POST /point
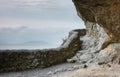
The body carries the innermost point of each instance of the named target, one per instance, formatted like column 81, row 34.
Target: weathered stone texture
column 101, row 42
column 106, row 13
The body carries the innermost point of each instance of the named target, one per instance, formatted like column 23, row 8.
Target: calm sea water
column 25, row 47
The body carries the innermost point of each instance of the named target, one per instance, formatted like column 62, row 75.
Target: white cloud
column 31, row 3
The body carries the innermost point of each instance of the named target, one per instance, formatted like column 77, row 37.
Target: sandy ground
column 69, row 70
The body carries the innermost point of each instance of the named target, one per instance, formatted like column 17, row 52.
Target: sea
column 18, row 47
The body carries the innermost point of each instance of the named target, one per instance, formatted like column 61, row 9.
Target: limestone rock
column 102, row 21
column 105, row 13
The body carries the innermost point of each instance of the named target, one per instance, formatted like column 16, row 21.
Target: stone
column 102, row 21
column 105, row 13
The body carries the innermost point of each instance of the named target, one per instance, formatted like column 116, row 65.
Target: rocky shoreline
column 19, row 60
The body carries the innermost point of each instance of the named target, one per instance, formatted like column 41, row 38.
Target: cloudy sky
column 36, row 23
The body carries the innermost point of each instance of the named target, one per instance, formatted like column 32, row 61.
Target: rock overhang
column 101, row 42
column 106, row 13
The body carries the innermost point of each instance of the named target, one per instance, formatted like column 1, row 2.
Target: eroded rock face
column 102, row 21
column 92, row 44
column 106, row 13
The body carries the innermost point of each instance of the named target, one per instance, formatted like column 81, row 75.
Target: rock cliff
column 102, row 20
column 106, row 13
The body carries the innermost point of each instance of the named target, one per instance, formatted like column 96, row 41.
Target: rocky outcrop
column 18, row 60
column 106, row 13
column 101, row 42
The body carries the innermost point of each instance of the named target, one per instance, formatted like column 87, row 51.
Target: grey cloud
column 28, row 3
column 13, row 30
column 39, row 9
